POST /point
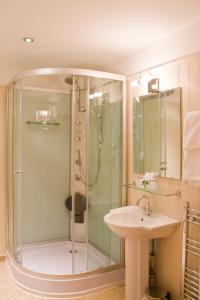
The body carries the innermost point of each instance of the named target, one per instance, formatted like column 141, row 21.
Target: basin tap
column 146, row 208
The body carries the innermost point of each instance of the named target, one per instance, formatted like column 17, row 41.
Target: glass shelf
column 161, row 189
column 44, row 124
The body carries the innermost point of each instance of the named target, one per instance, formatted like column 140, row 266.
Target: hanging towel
column 191, row 147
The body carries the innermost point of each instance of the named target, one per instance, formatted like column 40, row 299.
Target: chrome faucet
column 146, row 208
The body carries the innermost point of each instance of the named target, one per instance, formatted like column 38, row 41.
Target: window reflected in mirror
column 157, row 133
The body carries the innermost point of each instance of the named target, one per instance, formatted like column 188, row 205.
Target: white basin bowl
column 129, row 222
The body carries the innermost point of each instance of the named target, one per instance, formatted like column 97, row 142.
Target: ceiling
column 84, row 33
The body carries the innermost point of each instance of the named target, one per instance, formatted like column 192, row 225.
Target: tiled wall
column 184, row 73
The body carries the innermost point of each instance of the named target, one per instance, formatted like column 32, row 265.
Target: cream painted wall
column 184, row 73
column 165, row 50
column 2, row 171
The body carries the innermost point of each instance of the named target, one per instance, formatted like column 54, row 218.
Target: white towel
column 191, row 147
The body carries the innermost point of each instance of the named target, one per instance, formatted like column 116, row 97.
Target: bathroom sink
column 129, row 222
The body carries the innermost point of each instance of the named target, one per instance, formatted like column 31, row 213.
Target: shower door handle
column 18, row 171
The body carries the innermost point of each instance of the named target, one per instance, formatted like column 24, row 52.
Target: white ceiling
column 84, row 33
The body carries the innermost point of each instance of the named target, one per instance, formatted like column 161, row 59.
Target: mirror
column 157, row 133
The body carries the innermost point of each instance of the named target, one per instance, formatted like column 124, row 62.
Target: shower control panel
column 78, row 130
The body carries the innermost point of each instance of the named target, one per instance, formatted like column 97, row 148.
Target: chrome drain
column 73, row 251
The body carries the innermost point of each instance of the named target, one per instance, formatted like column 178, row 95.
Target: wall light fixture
column 153, row 85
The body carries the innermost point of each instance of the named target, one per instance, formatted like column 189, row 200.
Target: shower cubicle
column 65, row 167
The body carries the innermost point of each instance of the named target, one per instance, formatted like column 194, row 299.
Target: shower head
column 68, row 80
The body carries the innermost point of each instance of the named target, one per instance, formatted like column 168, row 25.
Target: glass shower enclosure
column 65, row 169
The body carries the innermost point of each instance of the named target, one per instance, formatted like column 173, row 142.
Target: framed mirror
column 157, row 133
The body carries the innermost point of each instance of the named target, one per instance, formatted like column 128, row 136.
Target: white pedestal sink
column 130, row 223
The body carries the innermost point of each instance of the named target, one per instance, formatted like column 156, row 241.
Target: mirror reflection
column 157, row 133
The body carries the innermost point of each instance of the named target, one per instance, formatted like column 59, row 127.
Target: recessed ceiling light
column 28, row 40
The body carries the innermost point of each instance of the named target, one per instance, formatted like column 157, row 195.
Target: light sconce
column 153, row 85
column 136, row 82
column 142, row 79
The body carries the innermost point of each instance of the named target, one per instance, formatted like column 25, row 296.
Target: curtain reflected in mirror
column 157, row 133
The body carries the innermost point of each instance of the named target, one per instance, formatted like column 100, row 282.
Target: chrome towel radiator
column 191, row 255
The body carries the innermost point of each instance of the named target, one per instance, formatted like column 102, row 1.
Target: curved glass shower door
column 104, row 165
column 41, row 141
column 67, row 172
column 97, row 163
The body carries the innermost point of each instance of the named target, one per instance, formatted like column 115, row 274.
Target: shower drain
column 73, row 251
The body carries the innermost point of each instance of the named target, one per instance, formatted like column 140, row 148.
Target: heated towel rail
column 191, row 255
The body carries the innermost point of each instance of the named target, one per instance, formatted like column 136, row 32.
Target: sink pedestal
column 136, row 268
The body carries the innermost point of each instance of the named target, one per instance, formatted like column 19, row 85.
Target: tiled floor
column 9, row 291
